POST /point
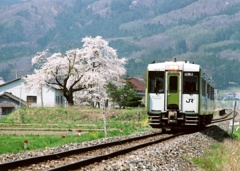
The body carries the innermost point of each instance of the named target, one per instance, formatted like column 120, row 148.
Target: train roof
column 182, row 65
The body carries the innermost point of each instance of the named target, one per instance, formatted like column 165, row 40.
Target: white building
column 50, row 96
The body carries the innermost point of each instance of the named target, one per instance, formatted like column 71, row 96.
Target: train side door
column 173, row 90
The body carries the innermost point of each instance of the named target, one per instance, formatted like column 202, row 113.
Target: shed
column 9, row 102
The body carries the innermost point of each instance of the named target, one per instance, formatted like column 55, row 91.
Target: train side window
column 212, row 93
column 203, row 87
column 208, row 91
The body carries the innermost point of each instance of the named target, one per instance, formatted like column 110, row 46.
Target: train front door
column 173, row 89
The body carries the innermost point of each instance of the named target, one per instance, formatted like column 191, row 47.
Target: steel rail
column 39, row 159
column 224, row 118
column 92, row 160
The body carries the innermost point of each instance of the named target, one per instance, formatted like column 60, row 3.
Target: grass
column 15, row 143
column 222, row 156
column 69, row 120
column 52, row 115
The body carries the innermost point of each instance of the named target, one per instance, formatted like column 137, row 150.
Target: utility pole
column 234, row 111
column 104, row 117
column 139, row 117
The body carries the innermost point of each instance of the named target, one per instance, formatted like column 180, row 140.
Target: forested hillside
column 201, row 31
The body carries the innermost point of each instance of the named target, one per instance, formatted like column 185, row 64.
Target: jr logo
column 189, row 101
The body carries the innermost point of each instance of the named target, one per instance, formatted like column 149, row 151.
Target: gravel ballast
column 174, row 154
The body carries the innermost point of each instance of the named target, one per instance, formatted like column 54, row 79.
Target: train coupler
column 172, row 116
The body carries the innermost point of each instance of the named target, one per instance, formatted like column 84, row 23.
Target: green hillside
column 204, row 32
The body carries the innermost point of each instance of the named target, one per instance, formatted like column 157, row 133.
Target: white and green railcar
column 179, row 95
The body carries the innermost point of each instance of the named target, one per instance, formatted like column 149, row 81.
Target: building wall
column 13, row 87
column 44, row 99
column 48, row 95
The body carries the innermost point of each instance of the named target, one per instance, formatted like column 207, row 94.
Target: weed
column 222, row 156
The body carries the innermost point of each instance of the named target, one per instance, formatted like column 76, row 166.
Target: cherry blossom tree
column 87, row 69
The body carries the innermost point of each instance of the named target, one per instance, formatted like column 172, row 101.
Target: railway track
column 227, row 116
column 74, row 159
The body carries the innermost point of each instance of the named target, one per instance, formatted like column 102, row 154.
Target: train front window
column 190, row 83
column 156, row 82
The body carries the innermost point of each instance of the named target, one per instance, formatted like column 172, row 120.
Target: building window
column 59, row 99
column 31, row 99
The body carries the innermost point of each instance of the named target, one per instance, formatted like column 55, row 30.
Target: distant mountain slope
column 204, row 31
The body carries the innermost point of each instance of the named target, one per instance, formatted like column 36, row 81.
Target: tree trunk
column 42, row 96
column 104, row 119
column 70, row 102
column 69, row 98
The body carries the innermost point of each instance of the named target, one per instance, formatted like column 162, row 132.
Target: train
column 179, row 95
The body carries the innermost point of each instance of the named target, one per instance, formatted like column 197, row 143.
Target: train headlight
column 174, row 67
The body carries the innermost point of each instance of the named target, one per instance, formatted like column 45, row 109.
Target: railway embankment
column 176, row 154
column 180, row 153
